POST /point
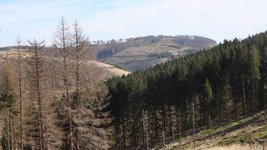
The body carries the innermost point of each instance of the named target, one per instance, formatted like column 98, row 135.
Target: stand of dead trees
column 49, row 91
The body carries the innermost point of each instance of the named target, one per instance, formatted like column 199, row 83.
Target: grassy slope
column 138, row 58
column 135, row 54
column 239, row 134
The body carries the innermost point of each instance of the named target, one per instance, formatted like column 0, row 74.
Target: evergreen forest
column 191, row 93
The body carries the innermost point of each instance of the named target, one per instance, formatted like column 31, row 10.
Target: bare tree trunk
column 146, row 128
column 156, row 124
column 253, row 96
column 180, row 124
column 164, row 117
column 187, row 114
column 8, row 130
column 193, row 121
column 264, row 96
column 37, row 64
column 78, row 47
column 219, row 106
column 210, row 120
column 13, row 134
column 236, row 107
column 123, row 134
column 10, row 133
column 263, row 89
column 20, row 96
column 40, row 116
column 62, row 44
column 163, row 138
column 226, row 104
column 70, row 131
column 244, row 97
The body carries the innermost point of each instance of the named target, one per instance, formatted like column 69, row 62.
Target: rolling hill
column 101, row 71
column 144, row 52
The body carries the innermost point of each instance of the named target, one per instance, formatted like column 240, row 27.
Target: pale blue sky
column 115, row 19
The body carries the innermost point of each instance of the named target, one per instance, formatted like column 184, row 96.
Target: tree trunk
column 123, row 134
column 20, row 96
column 180, row 124
column 262, row 93
column 164, row 117
column 187, row 114
column 8, row 130
column 13, row 134
column 244, row 97
column 236, row 107
column 193, row 121
column 264, row 96
column 155, row 124
column 253, row 97
column 78, row 46
column 40, row 116
column 218, row 107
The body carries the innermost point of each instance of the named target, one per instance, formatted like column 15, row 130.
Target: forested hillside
column 144, row 52
column 191, row 93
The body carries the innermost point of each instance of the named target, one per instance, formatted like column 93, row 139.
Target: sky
column 120, row 19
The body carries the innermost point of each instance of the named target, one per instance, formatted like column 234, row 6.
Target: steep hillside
column 246, row 133
column 144, row 52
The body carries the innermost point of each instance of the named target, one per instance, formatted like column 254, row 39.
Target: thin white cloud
column 204, row 17
column 105, row 19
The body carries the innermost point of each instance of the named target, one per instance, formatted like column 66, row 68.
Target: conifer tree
column 62, row 44
column 208, row 97
column 253, row 69
column 83, row 54
column 37, row 77
column 20, row 92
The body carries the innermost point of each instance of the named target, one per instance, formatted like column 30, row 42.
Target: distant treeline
column 12, row 47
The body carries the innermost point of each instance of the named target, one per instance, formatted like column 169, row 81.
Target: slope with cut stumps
column 246, row 133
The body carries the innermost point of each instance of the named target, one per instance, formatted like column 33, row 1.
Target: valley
column 133, row 75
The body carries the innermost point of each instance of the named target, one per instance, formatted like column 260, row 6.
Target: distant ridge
column 144, row 52
column 141, row 53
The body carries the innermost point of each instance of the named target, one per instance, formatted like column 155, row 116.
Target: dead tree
column 36, row 64
column 7, row 99
column 83, row 53
column 20, row 93
column 62, row 45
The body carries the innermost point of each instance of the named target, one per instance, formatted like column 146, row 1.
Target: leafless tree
column 37, row 77
column 20, row 92
column 83, row 53
column 62, row 44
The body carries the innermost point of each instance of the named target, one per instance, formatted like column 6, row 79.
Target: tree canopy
column 221, row 82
